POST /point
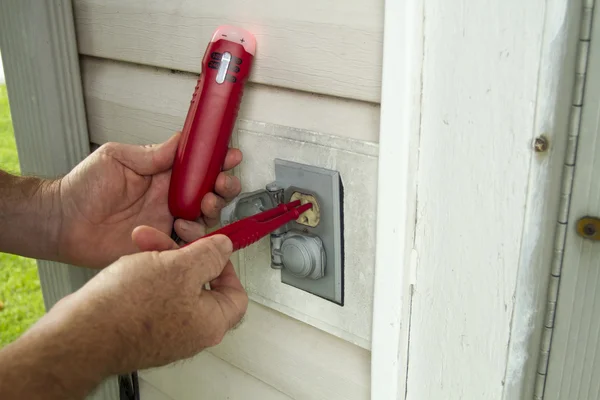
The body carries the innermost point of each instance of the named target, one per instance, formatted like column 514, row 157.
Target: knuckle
column 109, row 148
column 211, row 222
column 214, row 257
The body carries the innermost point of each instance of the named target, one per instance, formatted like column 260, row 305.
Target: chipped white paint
column 490, row 74
column 317, row 46
column 553, row 100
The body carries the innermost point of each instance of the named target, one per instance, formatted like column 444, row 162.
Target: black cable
column 129, row 387
column 136, row 386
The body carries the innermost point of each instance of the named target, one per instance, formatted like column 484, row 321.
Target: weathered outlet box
column 326, row 186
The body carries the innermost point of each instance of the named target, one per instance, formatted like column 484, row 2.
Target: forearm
column 61, row 357
column 29, row 216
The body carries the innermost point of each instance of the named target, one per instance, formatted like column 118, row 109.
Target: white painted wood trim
column 41, row 64
column 398, row 138
column 475, row 298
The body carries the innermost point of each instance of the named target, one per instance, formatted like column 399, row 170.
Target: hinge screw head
column 589, row 230
column 540, row 144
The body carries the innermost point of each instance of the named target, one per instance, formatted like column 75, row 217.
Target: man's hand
column 145, row 310
column 120, row 187
column 156, row 303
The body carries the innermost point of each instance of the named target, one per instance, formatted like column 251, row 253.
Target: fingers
column 232, row 159
column 227, row 186
column 227, row 279
column 150, row 239
column 228, row 291
column 144, row 160
column 211, row 208
column 188, row 231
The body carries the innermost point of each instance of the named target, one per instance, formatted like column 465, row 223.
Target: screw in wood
column 540, row 144
column 589, row 230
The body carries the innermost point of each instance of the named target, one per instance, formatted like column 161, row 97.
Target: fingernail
column 223, row 243
column 185, row 225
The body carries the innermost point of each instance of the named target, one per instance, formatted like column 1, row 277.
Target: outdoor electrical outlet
column 309, row 251
column 311, row 217
column 309, row 183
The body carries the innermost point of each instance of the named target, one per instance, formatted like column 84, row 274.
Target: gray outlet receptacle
column 326, row 186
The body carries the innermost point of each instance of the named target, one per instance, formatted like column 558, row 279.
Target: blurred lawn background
column 21, row 302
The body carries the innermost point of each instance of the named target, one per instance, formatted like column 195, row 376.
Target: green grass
column 21, row 302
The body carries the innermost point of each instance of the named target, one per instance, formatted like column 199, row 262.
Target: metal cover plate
column 326, row 186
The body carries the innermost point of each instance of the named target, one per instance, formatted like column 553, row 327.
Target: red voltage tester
column 210, row 120
column 206, row 134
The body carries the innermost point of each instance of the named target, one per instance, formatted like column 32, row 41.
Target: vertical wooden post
column 41, row 64
column 396, row 196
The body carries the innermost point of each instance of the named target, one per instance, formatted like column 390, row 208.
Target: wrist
column 54, row 359
column 31, row 206
column 48, row 201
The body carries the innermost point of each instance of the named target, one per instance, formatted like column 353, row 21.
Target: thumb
column 207, row 256
column 145, row 160
column 150, row 239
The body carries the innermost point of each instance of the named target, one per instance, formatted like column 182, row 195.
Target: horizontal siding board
column 269, row 356
column 128, row 100
column 150, row 392
column 329, row 47
column 204, row 377
column 295, row 358
column 125, row 100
